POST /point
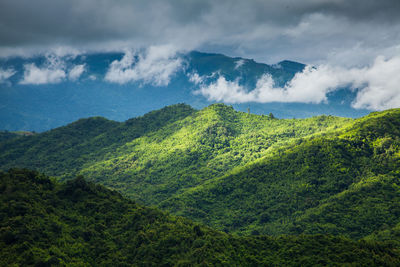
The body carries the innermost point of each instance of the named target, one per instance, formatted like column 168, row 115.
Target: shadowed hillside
column 45, row 223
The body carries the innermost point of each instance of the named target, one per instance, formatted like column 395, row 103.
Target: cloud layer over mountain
column 154, row 65
column 348, row 43
column 346, row 32
column 377, row 85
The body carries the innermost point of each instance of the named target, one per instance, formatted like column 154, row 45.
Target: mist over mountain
column 44, row 92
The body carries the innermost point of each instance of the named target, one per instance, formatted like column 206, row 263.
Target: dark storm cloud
column 310, row 31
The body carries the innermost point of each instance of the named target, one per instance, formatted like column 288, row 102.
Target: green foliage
column 271, row 116
column 6, row 136
column 342, row 183
column 45, row 223
column 63, row 151
column 237, row 172
column 367, row 207
column 163, row 153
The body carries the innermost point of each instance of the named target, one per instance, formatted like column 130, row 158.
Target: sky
column 355, row 41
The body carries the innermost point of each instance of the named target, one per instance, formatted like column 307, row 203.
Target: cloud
column 225, row 91
column 54, row 70
column 195, row 78
column 377, row 86
column 76, row 72
column 310, row 86
column 340, row 37
column 239, row 63
column 155, row 66
column 380, row 85
column 308, row 31
column 35, row 75
column 5, row 74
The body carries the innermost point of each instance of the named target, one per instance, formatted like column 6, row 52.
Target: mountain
column 45, row 223
column 237, row 172
column 60, row 90
column 158, row 155
column 344, row 182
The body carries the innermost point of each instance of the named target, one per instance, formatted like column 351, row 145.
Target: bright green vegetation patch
column 163, row 153
column 45, row 223
column 345, row 183
column 63, row 151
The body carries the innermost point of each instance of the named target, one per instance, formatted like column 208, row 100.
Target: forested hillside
column 237, row 172
column 63, row 151
column 343, row 183
column 158, row 155
column 45, row 223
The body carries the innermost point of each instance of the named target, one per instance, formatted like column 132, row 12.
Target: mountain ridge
column 215, row 165
column 41, row 107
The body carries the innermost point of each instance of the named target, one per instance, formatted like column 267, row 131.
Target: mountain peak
column 291, row 65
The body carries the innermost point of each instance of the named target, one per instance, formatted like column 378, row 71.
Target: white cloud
column 309, row 86
column 35, row 75
column 239, row 63
column 195, row 78
column 154, row 66
column 5, row 74
column 378, row 86
column 226, row 91
column 76, row 72
column 53, row 70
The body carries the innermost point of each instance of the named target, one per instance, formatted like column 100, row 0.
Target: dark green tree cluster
column 6, row 136
column 45, row 223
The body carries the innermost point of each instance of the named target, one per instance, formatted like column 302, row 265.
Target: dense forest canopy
column 249, row 175
column 45, row 223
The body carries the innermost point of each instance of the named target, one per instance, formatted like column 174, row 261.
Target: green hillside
column 163, row 153
column 236, row 172
column 45, row 223
column 63, row 151
column 343, row 183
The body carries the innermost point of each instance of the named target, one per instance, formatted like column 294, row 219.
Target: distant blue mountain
column 45, row 106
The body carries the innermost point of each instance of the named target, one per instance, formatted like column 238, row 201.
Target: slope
column 63, row 151
column 178, row 154
column 44, row 223
column 204, row 145
column 344, row 182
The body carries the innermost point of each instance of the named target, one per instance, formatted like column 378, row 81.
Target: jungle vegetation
column 78, row 223
column 249, row 177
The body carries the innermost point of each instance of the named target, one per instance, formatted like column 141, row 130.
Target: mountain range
column 45, row 92
column 233, row 188
column 236, row 172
